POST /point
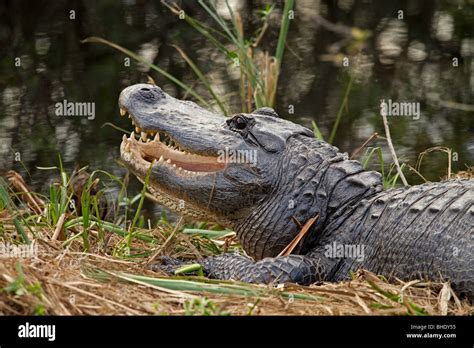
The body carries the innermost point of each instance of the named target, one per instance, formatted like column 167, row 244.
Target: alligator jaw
column 166, row 157
column 163, row 150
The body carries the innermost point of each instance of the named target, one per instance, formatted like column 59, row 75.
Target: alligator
column 265, row 177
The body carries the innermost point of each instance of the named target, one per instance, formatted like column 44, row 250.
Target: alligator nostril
column 150, row 93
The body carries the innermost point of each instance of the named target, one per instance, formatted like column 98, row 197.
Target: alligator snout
column 145, row 93
column 150, row 93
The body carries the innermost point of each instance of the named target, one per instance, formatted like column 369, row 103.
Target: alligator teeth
column 180, row 169
column 127, row 146
column 144, row 136
column 124, row 137
column 137, row 129
column 157, row 136
column 161, row 159
column 168, row 161
column 123, row 112
column 132, row 135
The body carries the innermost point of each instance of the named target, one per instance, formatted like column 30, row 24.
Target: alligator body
column 264, row 177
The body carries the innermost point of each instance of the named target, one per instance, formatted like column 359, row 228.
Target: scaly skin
column 423, row 232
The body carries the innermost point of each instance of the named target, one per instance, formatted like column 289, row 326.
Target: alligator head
column 202, row 164
column 252, row 172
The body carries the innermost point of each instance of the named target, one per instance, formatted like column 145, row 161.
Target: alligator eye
column 240, row 123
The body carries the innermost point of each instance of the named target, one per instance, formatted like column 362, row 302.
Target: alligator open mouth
column 153, row 146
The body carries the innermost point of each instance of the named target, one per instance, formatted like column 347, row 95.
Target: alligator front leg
column 284, row 269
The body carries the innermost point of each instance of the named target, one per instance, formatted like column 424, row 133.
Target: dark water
column 403, row 60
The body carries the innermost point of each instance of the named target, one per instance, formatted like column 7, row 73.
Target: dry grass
column 69, row 282
column 467, row 174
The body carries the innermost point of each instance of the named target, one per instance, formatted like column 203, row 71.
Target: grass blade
column 203, row 79
column 6, row 202
column 341, row 109
column 207, row 233
column 285, row 24
column 140, row 205
column 317, row 132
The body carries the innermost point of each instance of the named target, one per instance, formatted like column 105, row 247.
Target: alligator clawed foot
column 170, row 265
column 166, row 264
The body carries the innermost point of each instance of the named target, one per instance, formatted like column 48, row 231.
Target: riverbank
column 101, row 268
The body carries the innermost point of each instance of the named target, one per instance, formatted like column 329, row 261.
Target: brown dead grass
column 68, row 288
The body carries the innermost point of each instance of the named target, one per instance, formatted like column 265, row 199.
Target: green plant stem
column 140, row 205
column 195, row 267
column 285, row 24
column 203, row 79
column 341, row 109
